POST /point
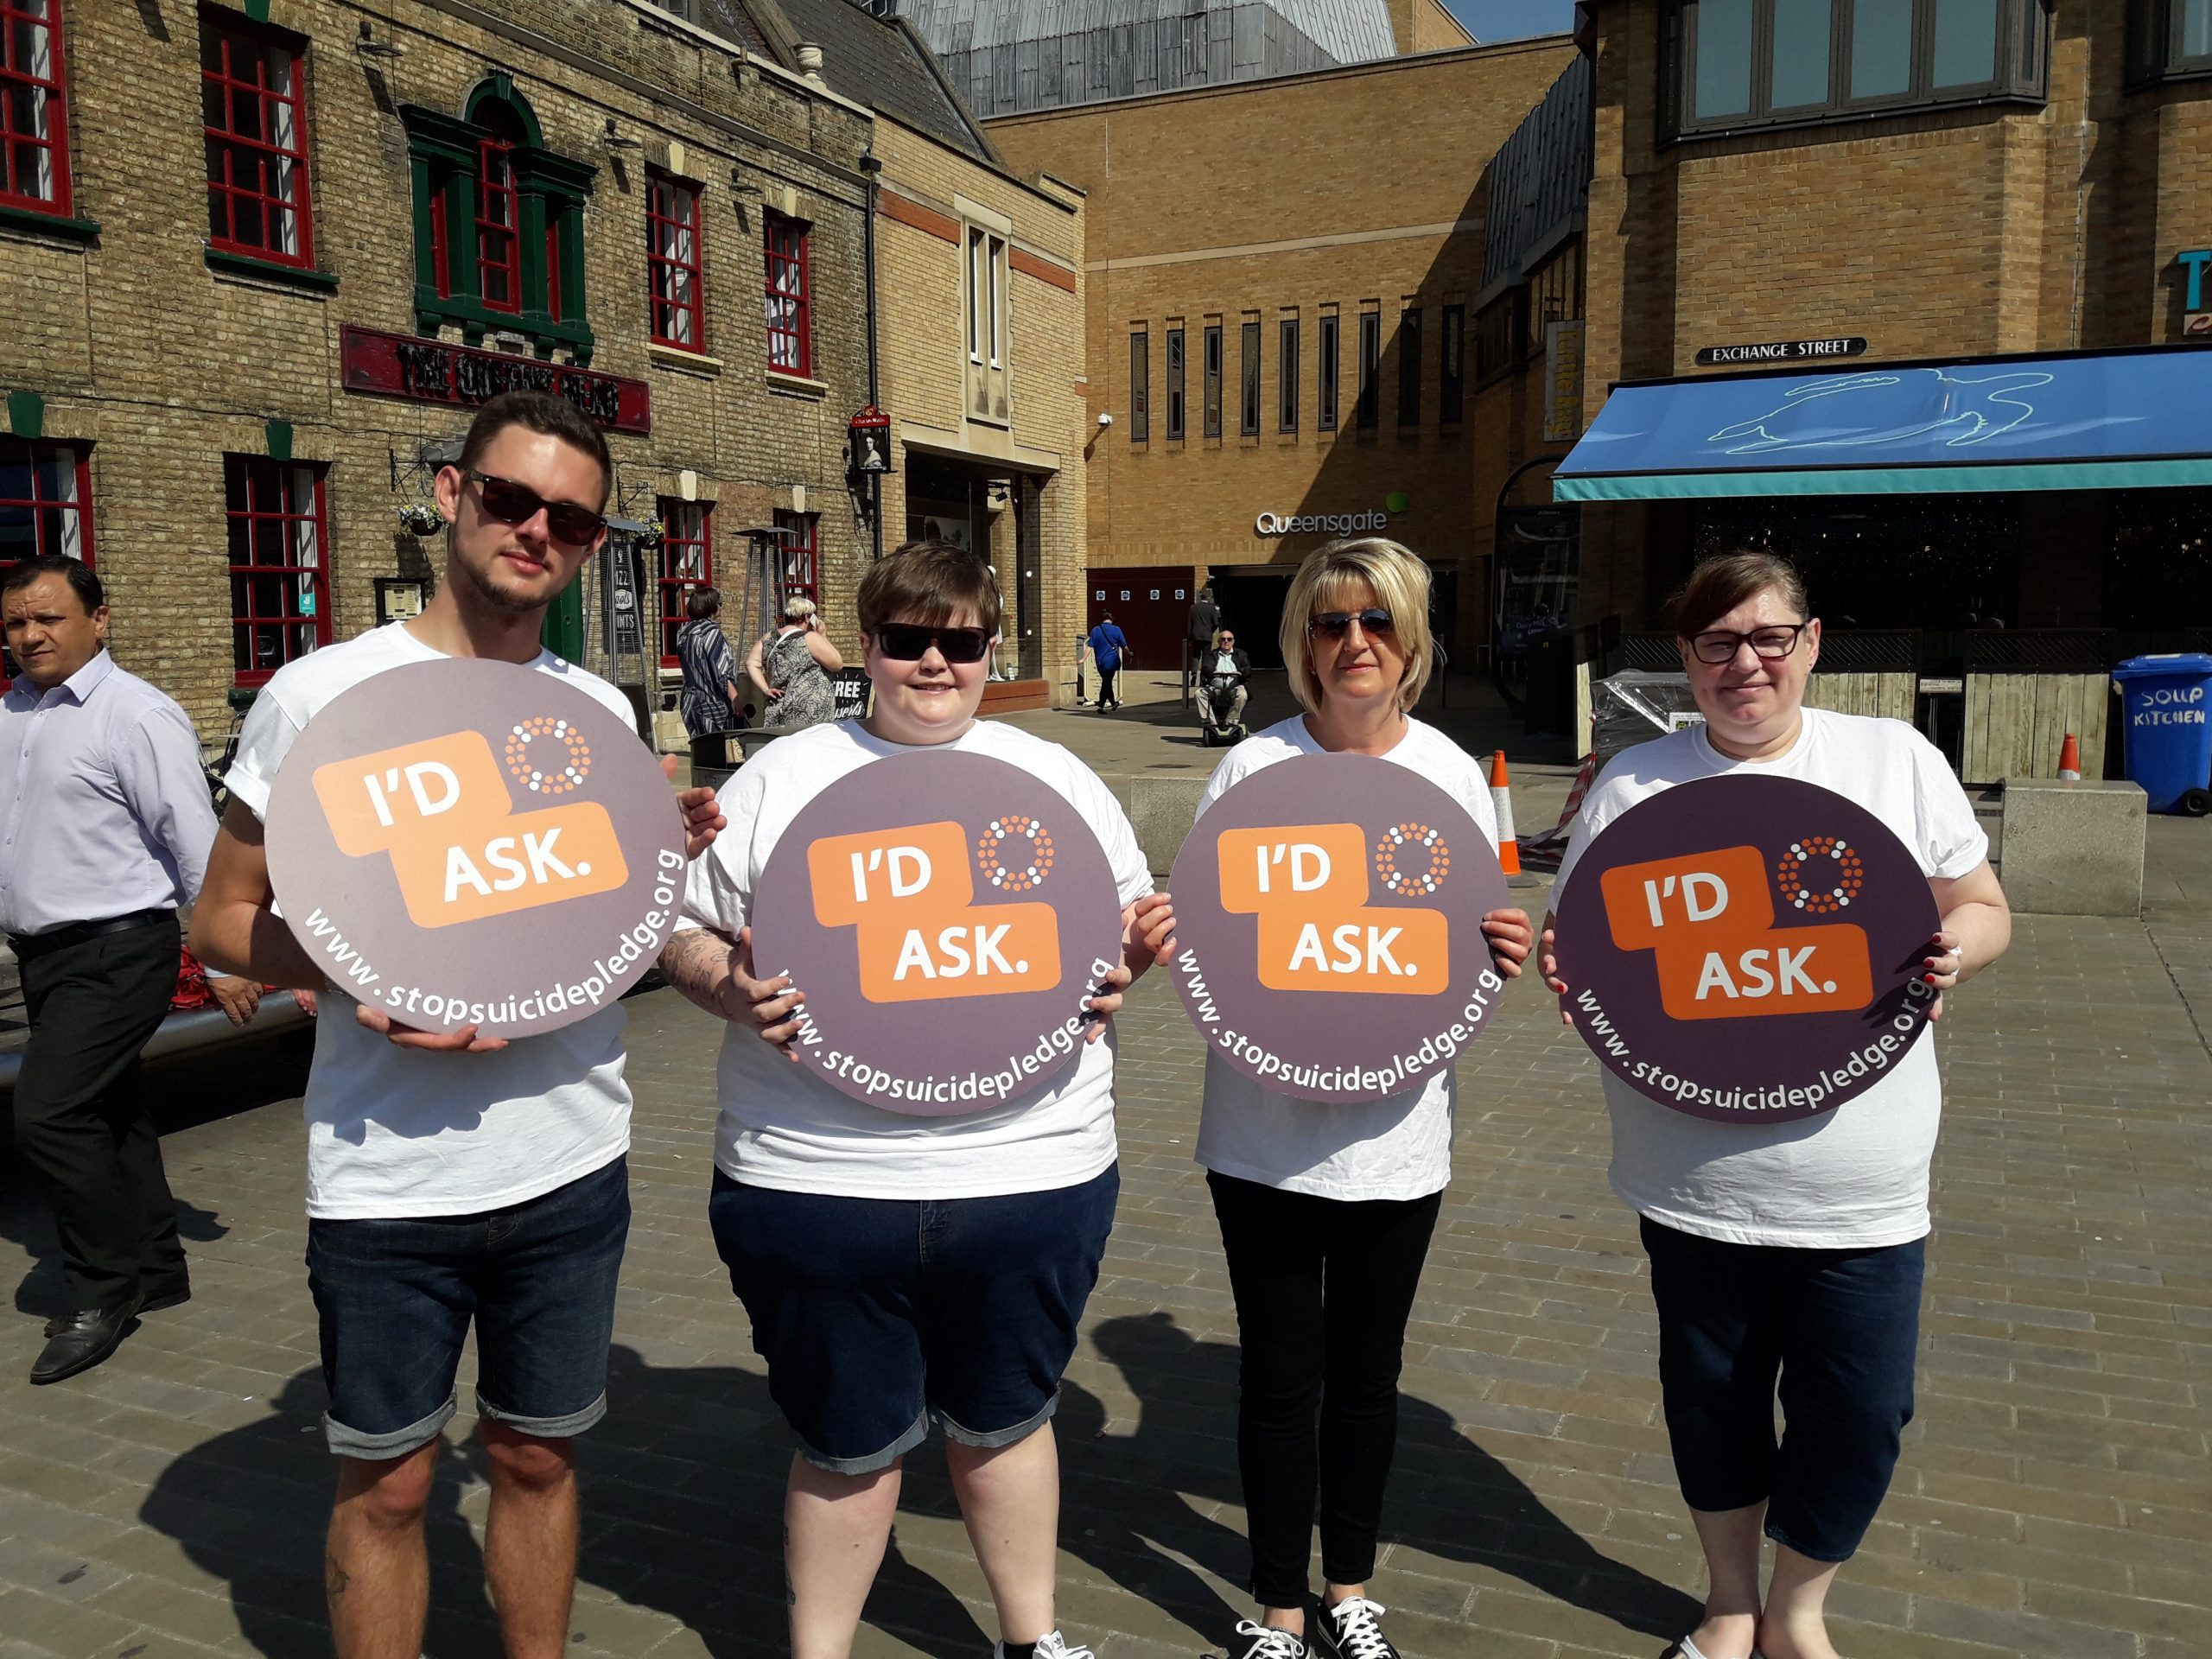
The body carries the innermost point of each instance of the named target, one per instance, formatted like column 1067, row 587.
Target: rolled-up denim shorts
column 396, row 1298
column 878, row 1317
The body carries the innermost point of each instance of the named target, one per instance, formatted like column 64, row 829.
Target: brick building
column 979, row 326
column 262, row 258
column 1279, row 286
column 2003, row 205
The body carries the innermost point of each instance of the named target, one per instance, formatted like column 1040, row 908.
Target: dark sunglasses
column 515, row 503
column 1335, row 625
column 906, row 642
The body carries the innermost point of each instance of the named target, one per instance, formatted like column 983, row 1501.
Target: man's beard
column 480, row 583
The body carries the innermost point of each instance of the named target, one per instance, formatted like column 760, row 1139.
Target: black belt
column 61, row 939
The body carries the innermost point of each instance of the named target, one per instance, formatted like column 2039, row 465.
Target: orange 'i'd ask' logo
column 1309, row 884
column 909, row 896
column 1708, row 920
column 442, row 811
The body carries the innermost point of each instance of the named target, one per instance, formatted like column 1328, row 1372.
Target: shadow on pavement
column 1450, row 1499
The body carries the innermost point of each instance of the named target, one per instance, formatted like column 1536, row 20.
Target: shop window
column 1286, row 374
column 499, row 224
column 1409, row 367
column 1213, row 380
column 1737, row 63
column 1139, row 386
column 280, row 563
column 799, row 553
column 46, row 493
column 2168, row 39
column 788, row 299
column 34, row 109
column 1248, row 374
column 1452, row 366
column 1324, row 403
column 1175, row 384
column 254, row 110
column 1367, row 412
column 674, row 276
column 687, row 560
column 988, row 289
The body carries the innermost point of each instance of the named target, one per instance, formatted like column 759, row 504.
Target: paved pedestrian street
column 2056, row 1496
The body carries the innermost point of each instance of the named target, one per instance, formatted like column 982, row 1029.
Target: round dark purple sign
column 1747, row 949
column 948, row 917
column 1328, row 922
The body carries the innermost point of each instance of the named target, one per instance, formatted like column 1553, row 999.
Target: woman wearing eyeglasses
column 819, row 1202
column 1792, row 1248
column 1326, row 1211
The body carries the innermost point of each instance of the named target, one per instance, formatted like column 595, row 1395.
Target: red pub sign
column 433, row 371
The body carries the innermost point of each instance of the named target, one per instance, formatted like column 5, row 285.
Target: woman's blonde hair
column 1400, row 582
column 797, row 608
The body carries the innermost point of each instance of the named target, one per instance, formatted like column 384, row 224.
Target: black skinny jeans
column 1323, row 1287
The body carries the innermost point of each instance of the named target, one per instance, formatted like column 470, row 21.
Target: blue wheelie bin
column 2167, row 709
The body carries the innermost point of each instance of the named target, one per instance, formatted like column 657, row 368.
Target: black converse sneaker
column 1353, row 1630
column 1266, row 1642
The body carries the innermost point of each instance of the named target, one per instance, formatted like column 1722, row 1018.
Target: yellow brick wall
column 139, row 348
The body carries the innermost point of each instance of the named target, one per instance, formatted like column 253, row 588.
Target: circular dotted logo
column 1820, row 874
column 547, row 756
column 1014, row 854
column 1418, row 844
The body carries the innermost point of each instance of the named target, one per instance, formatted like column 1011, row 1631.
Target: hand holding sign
column 1783, row 910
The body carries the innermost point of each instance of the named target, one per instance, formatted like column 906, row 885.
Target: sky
column 1508, row 20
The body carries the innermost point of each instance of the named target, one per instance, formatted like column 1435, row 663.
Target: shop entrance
column 1150, row 604
column 992, row 511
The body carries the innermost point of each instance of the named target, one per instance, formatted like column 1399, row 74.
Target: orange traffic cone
column 1501, row 797
column 2070, row 761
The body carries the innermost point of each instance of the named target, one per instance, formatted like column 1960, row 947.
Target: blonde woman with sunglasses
column 1326, row 1211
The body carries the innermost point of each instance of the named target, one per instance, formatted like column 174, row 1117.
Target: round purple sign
column 949, row 916
column 1747, row 949
column 1328, row 921
column 475, row 844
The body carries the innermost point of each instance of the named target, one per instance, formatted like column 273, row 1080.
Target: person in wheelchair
column 1223, row 671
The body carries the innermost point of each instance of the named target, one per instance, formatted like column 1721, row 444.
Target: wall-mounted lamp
column 615, row 138
column 369, row 46
column 741, row 186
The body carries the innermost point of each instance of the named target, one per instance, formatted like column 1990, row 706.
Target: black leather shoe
column 83, row 1340
column 170, row 1290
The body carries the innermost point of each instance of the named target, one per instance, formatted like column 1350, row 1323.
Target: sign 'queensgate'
column 1324, row 523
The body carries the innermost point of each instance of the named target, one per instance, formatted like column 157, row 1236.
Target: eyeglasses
column 515, row 504
column 1771, row 643
column 1335, row 625
column 906, row 642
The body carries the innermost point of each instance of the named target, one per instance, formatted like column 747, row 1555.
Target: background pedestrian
column 711, row 702
column 791, row 665
column 1110, row 648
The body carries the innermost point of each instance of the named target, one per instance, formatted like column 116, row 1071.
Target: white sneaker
column 1267, row 1643
column 1050, row 1645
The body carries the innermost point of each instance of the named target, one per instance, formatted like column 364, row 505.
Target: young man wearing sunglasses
column 416, row 1142
column 871, row 1343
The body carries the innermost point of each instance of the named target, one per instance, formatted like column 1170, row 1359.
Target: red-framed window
column 799, row 553
column 254, row 108
column 498, row 220
column 280, row 563
column 34, row 108
column 791, row 340
column 46, row 507
column 672, row 262
column 687, row 560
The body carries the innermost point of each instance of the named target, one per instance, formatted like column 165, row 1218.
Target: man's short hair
column 703, row 601
column 928, row 581
column 82, row 581
column 542, row 412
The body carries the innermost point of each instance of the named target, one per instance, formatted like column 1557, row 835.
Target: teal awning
column 2112, row 420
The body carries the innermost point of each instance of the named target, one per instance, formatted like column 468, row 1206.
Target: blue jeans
column 881, row 1316
column 396, row 1298
column 1840, row 1327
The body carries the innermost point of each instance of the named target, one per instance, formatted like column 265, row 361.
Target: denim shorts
column 1832, row 1333
column 881, row 1316
column 395, row 1298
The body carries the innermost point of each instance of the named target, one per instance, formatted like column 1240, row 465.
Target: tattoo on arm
column 334, row 1577
column 697, row 965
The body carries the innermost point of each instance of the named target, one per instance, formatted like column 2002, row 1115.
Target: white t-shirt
column 782, row 1126
column 396, row 1132
column 1399, row 1147
column 1850, row 1179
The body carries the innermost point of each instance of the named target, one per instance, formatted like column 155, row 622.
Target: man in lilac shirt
column 105, row 829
